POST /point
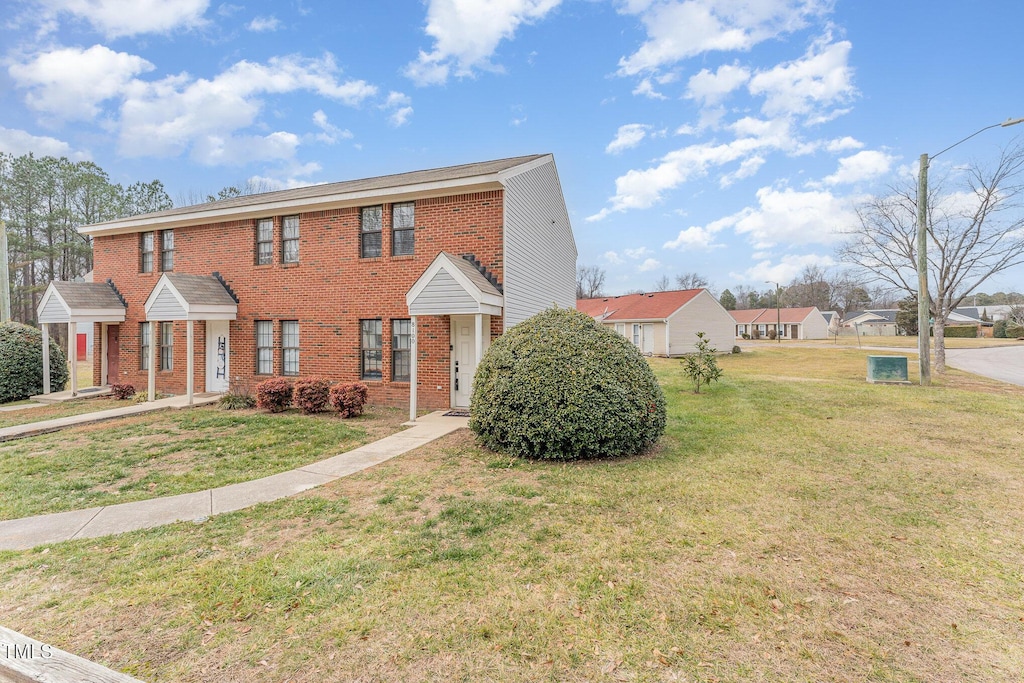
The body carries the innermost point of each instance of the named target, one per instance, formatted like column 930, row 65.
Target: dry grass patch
column 787, row 530
column 58, row 410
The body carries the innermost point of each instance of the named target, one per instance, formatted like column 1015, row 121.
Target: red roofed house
column 397, row 281
column 664, row 323
column 794, row 323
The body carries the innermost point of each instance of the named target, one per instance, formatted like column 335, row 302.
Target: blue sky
column 732, row 138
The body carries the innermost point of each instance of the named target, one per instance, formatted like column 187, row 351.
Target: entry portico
column 454, row 286
column 178, row 296
column 72, row 303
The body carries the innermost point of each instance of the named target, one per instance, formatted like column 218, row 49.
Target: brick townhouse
column 397, row 281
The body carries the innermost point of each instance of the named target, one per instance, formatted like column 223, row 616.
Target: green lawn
column 52, row 411
column 168, row 452
column 795, row 524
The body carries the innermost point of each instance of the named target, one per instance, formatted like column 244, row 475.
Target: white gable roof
column 451, row 285
column 78, row 302
column 177, row 296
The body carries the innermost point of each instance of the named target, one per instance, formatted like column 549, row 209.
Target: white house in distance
column 790, row 323
column 664, row 323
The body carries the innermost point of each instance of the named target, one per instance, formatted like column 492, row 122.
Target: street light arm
column 1005, row 124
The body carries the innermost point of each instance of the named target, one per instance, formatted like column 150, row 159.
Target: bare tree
column 589, row 282
column 662, row 284
column 972, row 235
column 691, row 281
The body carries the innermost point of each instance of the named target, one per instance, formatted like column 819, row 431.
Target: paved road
column 1005, row 363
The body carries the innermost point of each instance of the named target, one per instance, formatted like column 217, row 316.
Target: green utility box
column 888, row 369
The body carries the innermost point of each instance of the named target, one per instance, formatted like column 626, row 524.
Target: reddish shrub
column 274, row 394
column 312, row 394
column 348, row 398
column 122, row 392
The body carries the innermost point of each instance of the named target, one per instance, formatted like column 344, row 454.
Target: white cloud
column 20, row 142
column 861, row 166
column 785, row 271
column 808, row 86
column 329, row 133
column 117, row 18
column 178, row 113
column 466, row 34
column 748, row 167
column 649, row 265
column 843, row 144
column 711, row 88
column 264, row 24
column 679, row 29
column 612, row 257
column 71, row 83
column 646, row 88
column 238, row 150
column 400, row 105
column 788, row 216
column 698, row 237
column 637, row 253
column 629, row 135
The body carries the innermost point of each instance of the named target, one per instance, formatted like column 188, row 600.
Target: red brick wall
column 328, row 291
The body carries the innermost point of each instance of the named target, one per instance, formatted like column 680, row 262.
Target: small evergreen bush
column 312, row 394
column 999, row 329
column 274, row 394
column 21, row 363
column 737, row 349
column 559, row 386
column 349, row 398
column 702, row 367
column 122, row 392
column 961, row 331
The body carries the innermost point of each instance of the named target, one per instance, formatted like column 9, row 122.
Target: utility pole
column 5, row 277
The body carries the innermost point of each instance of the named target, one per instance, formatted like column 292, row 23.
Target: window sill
column 403, row 257
column 290, row 264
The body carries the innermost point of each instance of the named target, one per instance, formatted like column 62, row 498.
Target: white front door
column 648, row 339
column 218, row 351
column 463, row 359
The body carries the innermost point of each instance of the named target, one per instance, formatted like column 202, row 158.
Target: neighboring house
column 664, row 323
column 872, row 323
column 398, row 281
column 789, row 323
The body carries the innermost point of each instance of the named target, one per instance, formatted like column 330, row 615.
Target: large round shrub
column 559, row 386
column 21, row 363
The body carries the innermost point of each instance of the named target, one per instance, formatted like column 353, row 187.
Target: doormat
column 457, row 413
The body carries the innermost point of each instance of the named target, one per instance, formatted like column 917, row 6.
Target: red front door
column 113, row 353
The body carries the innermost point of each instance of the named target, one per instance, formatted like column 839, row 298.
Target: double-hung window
column 264, row 241
column 401, row 350
column 372, row 347
column 167, row 250
column 144, row 343
column 290, row 239
column 264, row 347
column 290, row 347
column 166, row 346
column 146, row 253
column 403, row 229
column 370, row 224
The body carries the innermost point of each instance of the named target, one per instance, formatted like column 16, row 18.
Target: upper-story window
column 370, row 224
column 290, row 239
column 146, row 253
column 403, row 228
column 167, row 250
column 264, row 241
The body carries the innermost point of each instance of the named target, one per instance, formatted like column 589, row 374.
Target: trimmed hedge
column 311, row 394
column 561, row 387
column 961, row 332
column 349, row 398
column 21, row 363
column 274, row 394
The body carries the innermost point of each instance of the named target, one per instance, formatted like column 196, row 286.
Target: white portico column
column 479, row 319
column 73, row 355
column 191, row 381
column 46, row 357
column 414, row 351
column 154, row 330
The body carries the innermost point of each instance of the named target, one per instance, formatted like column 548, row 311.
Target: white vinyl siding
column 540, row 252
column 166, row 307
column 704, row 314
column 443, row 295
column 54, row 312
column 814, row 326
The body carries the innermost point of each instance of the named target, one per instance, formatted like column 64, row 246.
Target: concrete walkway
column 45, row 426
column 21, row 534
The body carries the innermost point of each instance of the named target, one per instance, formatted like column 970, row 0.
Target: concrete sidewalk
column 20, row 534
column 45, row 426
